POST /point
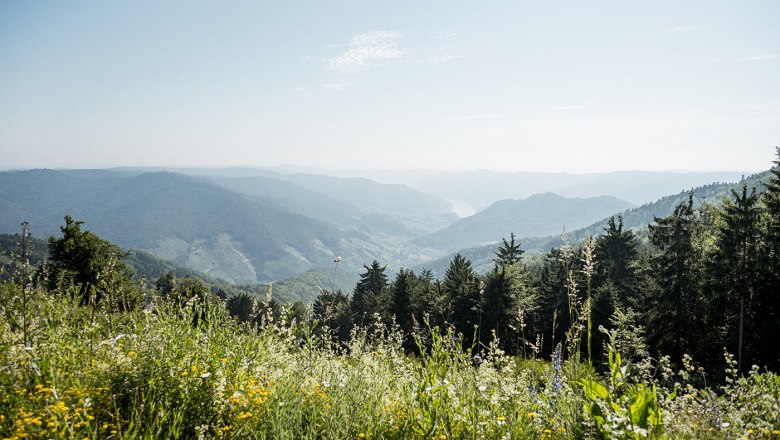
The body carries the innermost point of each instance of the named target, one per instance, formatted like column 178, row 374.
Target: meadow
column 163, row 370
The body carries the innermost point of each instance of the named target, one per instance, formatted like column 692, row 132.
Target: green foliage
column 509, row 252
column 86, row 260
column 464, row 293
column 678, row 272
column 366, row 299
column 152, row 374
column 625, row 410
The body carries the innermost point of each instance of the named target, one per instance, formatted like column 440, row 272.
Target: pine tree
column 677, row 267
column 368, row 291
column 551, row 318
column 240, row 306
column 616, row 254
column 462, row 290
column 737, row 255
column 768, row 295
column 332, row 312
column 82, row 258
column 403, row 289
column 614, row 281
column 510, row 252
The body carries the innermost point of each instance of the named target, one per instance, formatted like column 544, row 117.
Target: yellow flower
column 244, row 415
column 532, row 415
column 362, row 435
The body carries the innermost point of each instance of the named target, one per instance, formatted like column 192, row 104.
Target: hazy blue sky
column 514, row 85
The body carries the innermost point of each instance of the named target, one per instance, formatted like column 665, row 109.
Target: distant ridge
column 636, row 218
column 537, row 216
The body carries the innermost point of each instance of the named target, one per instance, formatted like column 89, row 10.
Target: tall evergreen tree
column 426, row 301
column 737, row 256
column 614, row 283
column 402, row 290
column 551, row 319
column 509, row 252
column 677, row 328
column 768, row 295
column 461, row 287
column 368, row 291
column 508, row 301
column 616, row 255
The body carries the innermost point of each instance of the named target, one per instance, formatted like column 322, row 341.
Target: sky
column 567, row 86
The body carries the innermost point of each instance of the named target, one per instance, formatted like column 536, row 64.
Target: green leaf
column 594, row 389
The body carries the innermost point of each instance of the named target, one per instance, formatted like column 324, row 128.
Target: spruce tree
column 509, row 252
column 768, row 295
column 461, row 287
column 616, row 255
column 675, row 314
column 368, row 291
column 737, row 256
column 403, row 288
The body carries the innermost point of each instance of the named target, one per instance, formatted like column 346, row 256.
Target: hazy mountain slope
column 302, row 200
column 636, row 218
column 415, row 209
column 482, row 188
column 187, row 220
column 538, row 215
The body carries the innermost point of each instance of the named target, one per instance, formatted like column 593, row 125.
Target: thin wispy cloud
column 771, row 56
column 365, row 51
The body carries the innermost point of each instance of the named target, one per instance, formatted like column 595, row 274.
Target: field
column 69, row 371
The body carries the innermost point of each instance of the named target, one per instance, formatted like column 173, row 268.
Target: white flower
column 482, row 388
column 205, row 375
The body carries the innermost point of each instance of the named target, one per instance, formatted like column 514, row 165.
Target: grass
column 153, row 374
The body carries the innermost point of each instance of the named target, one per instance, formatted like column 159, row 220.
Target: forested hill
column 538, row 215
column 635, row 218
column 188, row 220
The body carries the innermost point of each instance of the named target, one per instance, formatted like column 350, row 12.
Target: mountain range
column 250, row 226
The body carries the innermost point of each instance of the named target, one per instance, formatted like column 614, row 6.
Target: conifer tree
column 737, row 256
column 461, row 287
column 614, row 281
column 402, row 290
column 82, row 258
column 677, row 267
column 332, row 312
column 768, row 295
column 616, row 254
column 368, row 291
column 509, row 252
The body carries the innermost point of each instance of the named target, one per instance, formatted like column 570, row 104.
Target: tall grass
column 152, row 373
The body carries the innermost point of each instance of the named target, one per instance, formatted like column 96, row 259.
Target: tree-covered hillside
column 537, row 216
